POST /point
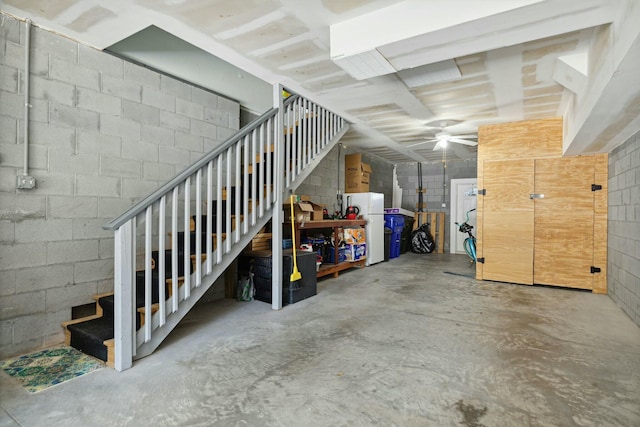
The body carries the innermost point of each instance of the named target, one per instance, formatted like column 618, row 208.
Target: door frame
column 454, row 215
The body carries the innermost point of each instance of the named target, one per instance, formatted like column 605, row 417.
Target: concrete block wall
column 326, row 179
column 624, row 227
column 103, row 134
column 432, row 181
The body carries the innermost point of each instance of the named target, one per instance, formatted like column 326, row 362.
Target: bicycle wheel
column 470, row 248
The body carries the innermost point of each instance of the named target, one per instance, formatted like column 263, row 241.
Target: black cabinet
column 261, row 266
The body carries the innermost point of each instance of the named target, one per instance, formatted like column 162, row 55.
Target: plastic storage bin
column 396, row 224
column 405, row 243
column 387, row 243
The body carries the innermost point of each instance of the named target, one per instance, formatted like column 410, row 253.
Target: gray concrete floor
column 400, row 343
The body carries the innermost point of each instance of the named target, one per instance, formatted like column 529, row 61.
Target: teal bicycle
column 469, row 242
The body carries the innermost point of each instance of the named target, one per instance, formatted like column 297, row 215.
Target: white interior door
column 463, row 198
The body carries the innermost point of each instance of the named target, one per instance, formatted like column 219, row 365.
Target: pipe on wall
column 24, row 181
column 27, row 106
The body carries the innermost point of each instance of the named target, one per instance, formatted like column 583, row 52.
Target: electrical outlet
column 25, row 182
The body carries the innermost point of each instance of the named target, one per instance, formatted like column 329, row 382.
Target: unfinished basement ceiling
column 400, row 71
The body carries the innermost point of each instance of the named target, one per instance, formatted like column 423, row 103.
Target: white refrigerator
column 371, row 207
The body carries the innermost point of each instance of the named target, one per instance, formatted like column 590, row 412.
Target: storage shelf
column 334, row 269
column 335, row 224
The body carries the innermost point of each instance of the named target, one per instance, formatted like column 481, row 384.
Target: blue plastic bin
column 396, row 224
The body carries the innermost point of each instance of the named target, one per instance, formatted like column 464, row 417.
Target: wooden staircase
column 171, row 246
column 94, row 334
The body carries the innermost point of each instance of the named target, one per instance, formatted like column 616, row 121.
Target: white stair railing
column 225, row 197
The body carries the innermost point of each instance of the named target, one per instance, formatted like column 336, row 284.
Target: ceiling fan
column 443, row 138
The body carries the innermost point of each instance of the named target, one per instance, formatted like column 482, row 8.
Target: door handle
column 536, row 196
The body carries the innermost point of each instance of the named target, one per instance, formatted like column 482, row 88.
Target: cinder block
column 89, row 271
column 104, row 286
column 158, row 99
column 12, row 155
column 72, row 251
column 18, row 208
column 92, row 142
column 100, row 61
column 63, row 115
column 55, row 45
column 189, row 109
column 158, row 171
column 8, row 79
column 174, row 121
column 140, row 113
column 40, row 278
column 53, row 332
column 122, row 88
column 43, row 230
column 223, row 134
column 97, row 186
column 204, row 97
column 138, row 189
column 9, row 126
column 62, row 162
column 39, row 113
column 143, row 76
column 10, row 29
column 7, row 232
column 187, row 141
column 157, row 135
column 72, row 72
column 117, row 167
column 24, row 339
column 106, row 249
column 116, row 126
column 49, row 183
column 201, row 128
column 72, row 207
column 62, row 138
column 142, row 151
column 90, row 228
column 110, row 207
column 22, row 304
column 175, row 87
column 69, row 296
column 217, row 117
column 99, row 102
column 234, row 122
column 211, row 144
column 174, row 156
column 12, row 105
column 8, row 282
column 52, row 90
column 225, row 104
column 14, row 57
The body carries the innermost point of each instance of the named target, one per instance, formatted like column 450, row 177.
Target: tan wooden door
column 508, row 221
column 564, row 220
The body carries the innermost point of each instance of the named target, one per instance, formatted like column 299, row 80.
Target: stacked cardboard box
column 357, row 174
column 304, row 210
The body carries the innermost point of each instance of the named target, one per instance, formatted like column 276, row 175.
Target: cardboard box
column 354, row 235
column 357, row 174
column 355, row 252
column 303, row 211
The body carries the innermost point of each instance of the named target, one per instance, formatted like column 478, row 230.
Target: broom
column 296, row 274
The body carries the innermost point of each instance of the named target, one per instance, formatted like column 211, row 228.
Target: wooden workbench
column 336, row 225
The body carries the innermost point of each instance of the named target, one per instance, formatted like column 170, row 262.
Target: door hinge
column 482, row 192
column 595, row 269
column 596, row 187
column 480, row 260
